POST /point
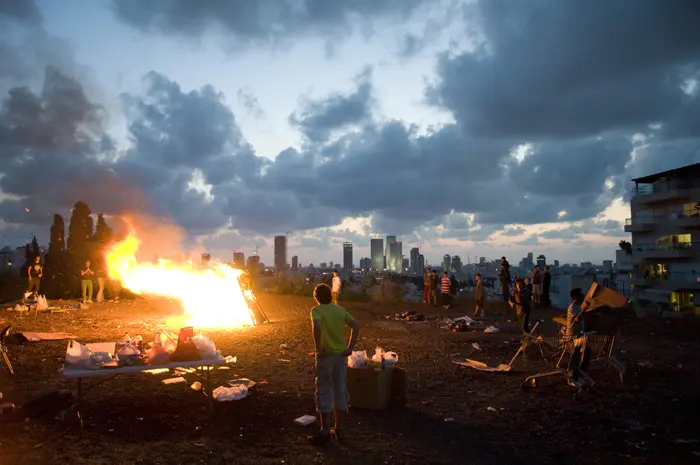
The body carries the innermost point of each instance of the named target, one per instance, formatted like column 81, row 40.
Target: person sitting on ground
column 86, row 275
column 445, row 290
column 520, row 299
column 329, row 321
column 479, row 296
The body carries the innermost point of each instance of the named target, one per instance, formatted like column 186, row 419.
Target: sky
column 473, row 128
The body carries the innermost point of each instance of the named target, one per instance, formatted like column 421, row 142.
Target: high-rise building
column 324, row 265
column 456, row 264
column 541, row 261
column 405, row 265
column 390, row 265
column 377, row 253
column 415, row 252
column 295, row 262
column 238, row 260
column 365, row 264
column 394, row 256
column 556, row 263
column 253, row 264
column 530, row 257
column 421, row 264
column 206, row 260
column 347, row 257
column 482, row 260
column 446, row 262
column 280, row 253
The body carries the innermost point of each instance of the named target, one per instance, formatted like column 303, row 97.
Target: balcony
column 689, row 222
column 669, row 282
column 633, row 225
column 662, row 192
column 663, row 251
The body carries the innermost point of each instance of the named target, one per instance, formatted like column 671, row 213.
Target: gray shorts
column 331, row 383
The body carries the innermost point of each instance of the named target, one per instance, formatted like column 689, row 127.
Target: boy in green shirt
column 329, row 322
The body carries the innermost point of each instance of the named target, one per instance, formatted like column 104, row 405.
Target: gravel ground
column 137, row 419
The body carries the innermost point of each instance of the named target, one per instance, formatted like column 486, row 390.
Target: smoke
column 159, row 238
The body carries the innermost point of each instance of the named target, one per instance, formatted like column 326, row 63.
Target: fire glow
column 211, row 298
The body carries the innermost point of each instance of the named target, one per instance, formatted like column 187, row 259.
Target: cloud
column 316, row 119
column 591, row 111
column 250, row 102
column 25, row 11
column 530, row 240
column 264, row 22
column 610, row 228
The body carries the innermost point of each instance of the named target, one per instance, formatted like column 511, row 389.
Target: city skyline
column 444, row 136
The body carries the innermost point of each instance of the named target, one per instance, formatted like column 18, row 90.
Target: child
column 445, row 290
column 329, row 321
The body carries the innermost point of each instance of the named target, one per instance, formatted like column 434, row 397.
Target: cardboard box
column 376, row 389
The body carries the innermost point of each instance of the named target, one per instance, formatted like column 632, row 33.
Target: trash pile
column 131, row 351
column 406, row 316
column 461, row 324
column 381, row 360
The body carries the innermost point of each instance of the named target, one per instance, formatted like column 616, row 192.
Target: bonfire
column 211, row 297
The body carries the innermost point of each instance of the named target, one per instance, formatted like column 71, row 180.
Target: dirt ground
column 137, row 419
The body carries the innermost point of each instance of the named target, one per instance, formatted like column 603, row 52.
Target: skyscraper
column 238, row 260
column 280, row 253
column 394, row 257
column 446, row 262
column 253, row 264
column 295, row 262
column 456, row 264
column 377, row 253
column 415, row 252
column 365, row 264
column 405, row 264
column 389, row 261
column 421, row 264
column 347, row 257
column 541, row 261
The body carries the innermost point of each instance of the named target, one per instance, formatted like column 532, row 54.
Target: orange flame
column 212, row 298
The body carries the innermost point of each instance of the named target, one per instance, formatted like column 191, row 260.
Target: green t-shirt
column 333, row 319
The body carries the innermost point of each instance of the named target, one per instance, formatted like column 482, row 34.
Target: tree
column 103, row 233
column 626, row 246
column 80, row 232
column 57, row 280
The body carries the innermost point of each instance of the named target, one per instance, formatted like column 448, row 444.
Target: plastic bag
column 78, row 355
column 390, row 359
column 127, row 350
column 41, row 303
column 167, row 340
column 205, row 346
column 157, row 355
column 378, row 355
column 358, row 359
column 224, row 394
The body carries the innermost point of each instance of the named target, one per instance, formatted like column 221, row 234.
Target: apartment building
column 665, row 227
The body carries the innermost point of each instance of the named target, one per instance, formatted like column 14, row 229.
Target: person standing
column 536, row 285
column 445, row 290
column 546, row 284
column 504, row 275
column 34, row 273
column 520, row 300
column 101, row 272
column 335, row 289
column 479, row 296
column 331, row 350
column 86, row 275
column 426, row 286
column 433, row 287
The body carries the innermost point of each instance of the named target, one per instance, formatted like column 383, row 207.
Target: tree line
column 66, row 256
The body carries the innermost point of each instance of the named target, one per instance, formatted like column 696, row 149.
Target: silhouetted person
column 426, row 286
column 479, row 296
column 520, row 299
column 34, row 273
column 504, row 276
column 537, row 285
column 86, row 275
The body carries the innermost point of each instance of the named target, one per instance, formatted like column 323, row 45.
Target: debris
column 407, row 316
column 284, row 347
column 476, row 346
column 502, row 368
column 249, row 383
column 226, row 394
column 36, row 337
column 230, row 359
column 284, row 360
column 177, row 380
column 449, row 420
column 305, row 420
column 156, row 371
column 196, row 386
column 491, row 329
column 490, row 409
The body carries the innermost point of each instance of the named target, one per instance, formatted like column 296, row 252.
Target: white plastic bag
column 78, row 355
column 205, row 346
column 378, row 355
column 224, row 394
column 42, row 303
column 167, row 340
column 358, row 359
column 390, row 359
column 127, row 350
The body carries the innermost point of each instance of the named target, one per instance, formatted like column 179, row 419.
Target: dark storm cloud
column 316, row 119
column 262, row 22
column 25, row 11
